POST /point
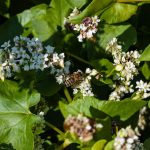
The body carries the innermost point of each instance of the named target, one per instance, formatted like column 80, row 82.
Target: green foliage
column 16, row 118
column 146, row 54
column 146, row 70
column 116, row 10
column 4, row 146
column 128, row 21
column 76, row 3
column 146, row 144
column 99, row 145
column 107, row 32
column 111, row 108
column 95, row 7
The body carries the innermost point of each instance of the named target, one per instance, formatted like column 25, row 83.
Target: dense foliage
column 74, row 74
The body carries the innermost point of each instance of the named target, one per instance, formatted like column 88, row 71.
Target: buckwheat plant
column 25, row 54
column 81, row 127
column 126, row 68
column 127, row 139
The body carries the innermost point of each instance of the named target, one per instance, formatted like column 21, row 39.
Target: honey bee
column 73, row 79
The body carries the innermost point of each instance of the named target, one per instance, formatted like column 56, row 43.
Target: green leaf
column 47, row 25
column 103, row 65
column 119, row 12
column 94, row 8
column 146, row 70
column 124, row 109
column 147, row 144
column 16, row 120
column 109, row 146
column 99, row 145
column 48, row 86
column 76, row 3
column 9, row 29
column 146, row 54
column 108, row 32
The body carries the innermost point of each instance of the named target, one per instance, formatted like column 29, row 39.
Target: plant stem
column 55, row 128
column 64, row 145
column 66, row 92
column 130, row 1
column 78, row 58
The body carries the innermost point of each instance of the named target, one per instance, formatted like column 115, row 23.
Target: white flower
column 49, row 49
column 88, row 71
column 80, row 38
column 59, row 79
column 75, row 91
column 141, row 86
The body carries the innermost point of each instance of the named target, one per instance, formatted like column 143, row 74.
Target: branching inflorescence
column 126, row 68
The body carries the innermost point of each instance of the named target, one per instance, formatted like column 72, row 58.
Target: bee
column 73, row 79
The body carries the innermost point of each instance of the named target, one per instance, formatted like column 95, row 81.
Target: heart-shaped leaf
column 16, row 120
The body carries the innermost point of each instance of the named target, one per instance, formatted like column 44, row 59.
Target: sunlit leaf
column 124, row 109
column 119, row 12
column 16, row 120
column 146, row 54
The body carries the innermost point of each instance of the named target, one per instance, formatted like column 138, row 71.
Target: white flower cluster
column 87, row 28
column 120, row 91
column 25, row 54
column 143, row 89
column 82, row 127
column 127, row 139
column 126, row 67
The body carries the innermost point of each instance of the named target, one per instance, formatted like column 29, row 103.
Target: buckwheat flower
column 95, row 20
column 142, row 87
column 114, row 48
column 88, row 71
column 60, row 79
column 87, row 28
column 49, row 49
column 127, row 139
column 75, row 91
column 6, row 45
column 82, row 127
column 80, row 38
